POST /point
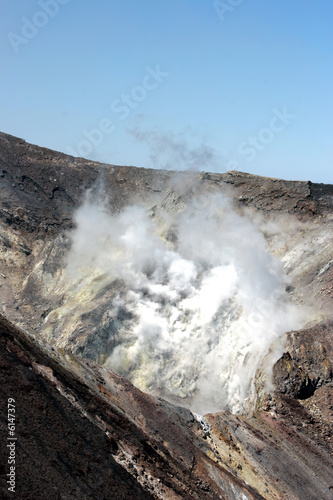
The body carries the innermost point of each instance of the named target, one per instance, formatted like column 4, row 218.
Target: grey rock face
column 40, row 193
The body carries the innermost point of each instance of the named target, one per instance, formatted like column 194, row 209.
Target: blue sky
column 225, row 85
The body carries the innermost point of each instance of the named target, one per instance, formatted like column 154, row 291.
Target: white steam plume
column 202, row 311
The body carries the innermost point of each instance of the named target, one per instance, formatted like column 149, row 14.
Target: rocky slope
column 282, row 449
column 83, row 432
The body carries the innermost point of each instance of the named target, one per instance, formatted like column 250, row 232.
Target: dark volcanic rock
column 84, row 432
column 40, row 188
column 87, row 434
column 272, row 451
column 291, row 379
column 59, row 453
column 308, row 362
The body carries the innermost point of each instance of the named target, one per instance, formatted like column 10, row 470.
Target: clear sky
column 225, row 85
